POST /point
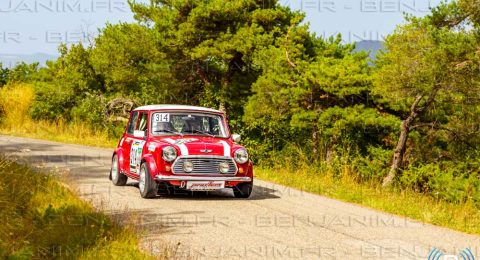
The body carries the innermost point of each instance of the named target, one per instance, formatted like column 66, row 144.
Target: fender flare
column 151, row 164
column 250, row 169
column 121, row 159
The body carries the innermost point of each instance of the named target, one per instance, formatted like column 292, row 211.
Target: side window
column 132, row 123
column 143, row 122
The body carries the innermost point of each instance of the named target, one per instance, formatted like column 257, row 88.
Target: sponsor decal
column 136, row 155
column 151, row 148
column 205, row 185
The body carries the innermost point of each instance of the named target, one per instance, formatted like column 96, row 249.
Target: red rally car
column 181, row 147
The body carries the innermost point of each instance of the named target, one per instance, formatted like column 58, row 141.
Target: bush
column 52, row 102
column 375, row 165
column 91, row 109
column 452, row 182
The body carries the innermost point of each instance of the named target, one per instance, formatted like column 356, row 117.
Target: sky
column 39, row 26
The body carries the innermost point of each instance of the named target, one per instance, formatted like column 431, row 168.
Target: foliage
column 212, row 43
column 137, row 67
column 429, row 75
column 3, row 75
column 52, row 102
column 91, row 109
column 452, row 183
column 22, row 72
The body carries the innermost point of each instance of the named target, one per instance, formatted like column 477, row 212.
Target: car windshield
column 178, row 123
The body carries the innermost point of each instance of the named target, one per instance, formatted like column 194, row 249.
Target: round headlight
column 169, row 153
column 241, row 155
column 223, row 167
column 188, row 166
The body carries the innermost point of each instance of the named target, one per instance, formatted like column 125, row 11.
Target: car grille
column 204, row 165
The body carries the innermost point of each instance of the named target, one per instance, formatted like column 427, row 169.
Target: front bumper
column 202, row 178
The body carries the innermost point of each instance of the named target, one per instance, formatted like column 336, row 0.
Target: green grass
column 43, row 219
column 462, row 217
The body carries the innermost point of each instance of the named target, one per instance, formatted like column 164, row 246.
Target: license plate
column 205, row 185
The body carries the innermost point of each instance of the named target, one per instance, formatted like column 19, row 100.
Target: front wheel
column 243, row 190
column 147, row 186
column 118, row 178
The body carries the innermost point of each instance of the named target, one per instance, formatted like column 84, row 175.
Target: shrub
column 52, row 102
column 374, row 165
column 91, row 109
column 452, row 182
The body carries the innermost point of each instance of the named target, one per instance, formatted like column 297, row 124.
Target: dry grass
column 43, row 219
column 15, row 102
column 73, row 133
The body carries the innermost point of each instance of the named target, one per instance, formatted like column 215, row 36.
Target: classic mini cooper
column 181, row 147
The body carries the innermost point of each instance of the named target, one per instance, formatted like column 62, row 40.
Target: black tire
column 150, row 187
column 165, row 189
column 118, row 178
column 243, row 190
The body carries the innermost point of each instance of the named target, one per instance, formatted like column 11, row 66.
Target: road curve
column 276, row 222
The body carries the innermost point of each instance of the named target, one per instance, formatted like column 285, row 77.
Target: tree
column 212, row 43
column 22, row 72
column 3, row 75
column 427, row 65
column 64, row 83
column 307, row 86
column 136, row 68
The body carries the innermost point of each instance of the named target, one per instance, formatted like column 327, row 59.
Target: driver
column 192, row 126
column 164, row 127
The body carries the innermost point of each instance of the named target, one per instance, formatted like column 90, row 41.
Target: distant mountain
column 369, row 46
column 10, row 60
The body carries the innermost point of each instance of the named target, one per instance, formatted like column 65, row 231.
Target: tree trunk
column 315, row 143
column 402, row 143
column 405, row 127
column 221, row 107
column 330, row 149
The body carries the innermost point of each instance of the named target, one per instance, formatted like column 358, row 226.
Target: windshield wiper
column 168, row 131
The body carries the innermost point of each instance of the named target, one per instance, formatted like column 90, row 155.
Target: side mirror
column 236, row 138
column 139, row 134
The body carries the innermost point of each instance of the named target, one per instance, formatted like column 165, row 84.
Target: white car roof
column 177, row 107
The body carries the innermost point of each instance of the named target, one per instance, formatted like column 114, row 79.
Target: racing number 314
column 161, row 117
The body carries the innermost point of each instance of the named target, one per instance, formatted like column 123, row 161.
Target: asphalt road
column 276, row 222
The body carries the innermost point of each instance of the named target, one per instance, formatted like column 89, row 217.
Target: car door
column 128, row 140
column 137, row 143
